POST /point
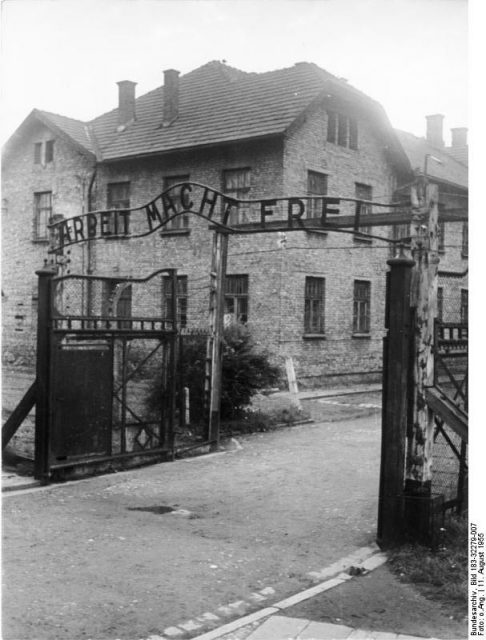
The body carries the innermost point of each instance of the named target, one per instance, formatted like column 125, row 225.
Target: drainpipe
column 89, row 249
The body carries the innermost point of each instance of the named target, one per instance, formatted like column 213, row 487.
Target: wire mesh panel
column 449, row 471
column 141, row 395
column 451, row 380
column 451, row 338
column 125, row 407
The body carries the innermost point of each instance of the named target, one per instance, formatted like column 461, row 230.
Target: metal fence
column 450, row 461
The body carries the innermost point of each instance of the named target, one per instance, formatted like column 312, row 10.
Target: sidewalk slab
column 279, row 628
column 318, row 630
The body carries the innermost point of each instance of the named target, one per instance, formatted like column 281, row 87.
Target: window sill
column 364, row 239
column 40, row 240
column 314, row 336
column 175, row 232
column 361, row 336
column 464, row 255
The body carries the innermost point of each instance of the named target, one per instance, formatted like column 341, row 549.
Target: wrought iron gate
column 111, row 384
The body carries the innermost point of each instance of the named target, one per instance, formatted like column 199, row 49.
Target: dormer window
column 342, row 130
column 43, row 152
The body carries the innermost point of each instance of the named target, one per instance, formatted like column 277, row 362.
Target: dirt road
column 107, row 558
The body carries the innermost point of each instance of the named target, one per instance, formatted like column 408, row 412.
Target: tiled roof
column 75, row 129
column 219, row 104
column 215, row 105
column 449, row 169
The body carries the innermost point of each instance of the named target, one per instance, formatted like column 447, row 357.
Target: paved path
column 244, row 526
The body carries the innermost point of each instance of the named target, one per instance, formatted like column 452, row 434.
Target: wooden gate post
column 424, row 300
column 43, row 375
column 396, row 359
column 172, row 377
column 218, row 273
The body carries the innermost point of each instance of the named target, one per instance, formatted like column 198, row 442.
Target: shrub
column 245, row 371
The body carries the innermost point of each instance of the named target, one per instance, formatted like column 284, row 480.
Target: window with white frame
column 342, row 130
column 237, row 184
column 236, row 299
column 43, row 152
column 361, row 306
column 180, row 222
column 363, row 192
column 316, row 186
column 42, row 214
column 181, row 298
column 118, row 195
column 314, row 305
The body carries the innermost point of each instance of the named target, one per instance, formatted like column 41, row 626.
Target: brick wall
column 276, row 274
column 67, row 176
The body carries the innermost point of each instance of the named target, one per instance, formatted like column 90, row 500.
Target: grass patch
column 441, row 574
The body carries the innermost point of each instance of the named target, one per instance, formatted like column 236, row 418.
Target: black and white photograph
column 235, row 320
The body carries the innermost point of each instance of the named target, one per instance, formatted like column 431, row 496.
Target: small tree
column 245, row 371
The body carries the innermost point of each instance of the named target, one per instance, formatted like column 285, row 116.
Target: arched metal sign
column 264, row 215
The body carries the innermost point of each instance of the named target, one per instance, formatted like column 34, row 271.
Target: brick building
column 447, row 167
column 317, row 297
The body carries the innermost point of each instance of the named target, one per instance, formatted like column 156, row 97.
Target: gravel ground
column 93, row 560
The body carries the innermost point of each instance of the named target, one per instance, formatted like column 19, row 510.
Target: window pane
column 316, row 186
column 182, row 302
column 361, row 306
column 342, row 130
column 118, row 195
column 314, row 305
column 236, row 183
column 365, row 192
column 49, row 150
column 181, row 221
column 42, row 214
column 37, row 152
column 236, row 299
column 331, row 126
column 353, row 134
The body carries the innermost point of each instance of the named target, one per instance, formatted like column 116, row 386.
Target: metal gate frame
column 52, row 327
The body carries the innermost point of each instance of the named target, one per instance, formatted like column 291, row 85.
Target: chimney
column 126, row 102
column 458, row 147
column 459, row 137
column 434, row 130
column 171, row 96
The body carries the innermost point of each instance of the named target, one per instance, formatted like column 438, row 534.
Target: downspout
column 89, row 249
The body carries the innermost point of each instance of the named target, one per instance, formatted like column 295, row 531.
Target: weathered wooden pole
column 418, row 479
column 396, row 360
column 172, row 377
column 43, row 375
column 218, row 272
